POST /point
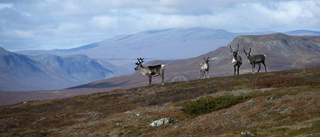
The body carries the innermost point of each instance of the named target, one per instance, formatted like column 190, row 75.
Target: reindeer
column 236, row 60
column 256, row 59
column 204, row 68
column 150, row 71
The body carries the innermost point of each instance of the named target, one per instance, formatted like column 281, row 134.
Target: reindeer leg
column 238, row 69
column 265, row 68
column 150, row 79
column 203, row 74
column 162, row 76
column 208, row 74
column 253, row 66
column 259, row 67
column 234, row 70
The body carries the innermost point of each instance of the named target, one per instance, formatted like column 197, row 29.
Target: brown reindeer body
column 256, row 59
column 150, row 71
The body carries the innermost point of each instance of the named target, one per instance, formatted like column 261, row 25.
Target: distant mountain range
column 166, row 44
column 282, row 51
column 303, row 33
column 58, row 69
column 44, row 72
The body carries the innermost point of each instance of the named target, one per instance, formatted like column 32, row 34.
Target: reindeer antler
column 140, row 60
column 237, row 48
column 230, row 48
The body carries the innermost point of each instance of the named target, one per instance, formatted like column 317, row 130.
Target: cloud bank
column 60, row 24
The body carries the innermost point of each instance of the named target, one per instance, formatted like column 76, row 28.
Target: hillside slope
column 283, row 103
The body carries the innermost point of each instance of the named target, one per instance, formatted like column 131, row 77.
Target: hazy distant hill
column 19, row 72
column 303, row 32
column 166, row 44
column 157, row 44
column 283, row 52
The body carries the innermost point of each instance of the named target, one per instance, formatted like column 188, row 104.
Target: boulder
column 162, row 121
column 247, row 133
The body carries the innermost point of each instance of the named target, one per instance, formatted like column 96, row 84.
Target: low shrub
column 209, row 104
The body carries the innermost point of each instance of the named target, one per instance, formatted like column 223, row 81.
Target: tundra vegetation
column 282, row 103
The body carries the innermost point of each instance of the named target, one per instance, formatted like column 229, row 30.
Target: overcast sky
column 62, row 24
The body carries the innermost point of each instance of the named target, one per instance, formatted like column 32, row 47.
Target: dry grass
column 284, row 103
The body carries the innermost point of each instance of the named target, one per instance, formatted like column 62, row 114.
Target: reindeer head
column 139, row 64
column 247, row 54
column 234, row 53
column 206, row 60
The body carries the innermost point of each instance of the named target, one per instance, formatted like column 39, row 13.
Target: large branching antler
column 140, row 60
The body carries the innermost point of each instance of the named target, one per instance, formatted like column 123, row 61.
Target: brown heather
column 283, row 103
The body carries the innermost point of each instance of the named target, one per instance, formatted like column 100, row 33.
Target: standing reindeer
column 256, row 59
column 150, row 71
column 204, row 68
column 236, row 60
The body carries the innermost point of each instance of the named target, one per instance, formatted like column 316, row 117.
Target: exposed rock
column 162, row 122
column 118, row 124
column 247, row 133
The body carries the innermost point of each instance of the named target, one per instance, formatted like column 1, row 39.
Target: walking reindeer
column 204, row 68
column 256, row 59
column 236, row 60
column 150, row 71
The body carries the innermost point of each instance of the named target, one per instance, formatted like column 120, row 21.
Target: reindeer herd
column 158, row 70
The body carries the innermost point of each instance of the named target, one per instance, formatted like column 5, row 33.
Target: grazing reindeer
column 236, row 60
column 204, row 68
column 256, row 59
column 150, row 71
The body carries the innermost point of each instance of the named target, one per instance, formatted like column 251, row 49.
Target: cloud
column 51, row 24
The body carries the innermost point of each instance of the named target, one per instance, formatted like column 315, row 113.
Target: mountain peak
column 279, row 44
column 3, row 50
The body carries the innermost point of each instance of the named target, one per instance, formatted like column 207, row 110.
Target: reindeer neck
column 143, row 70
column 251, row 58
